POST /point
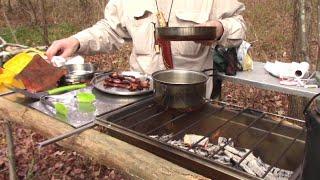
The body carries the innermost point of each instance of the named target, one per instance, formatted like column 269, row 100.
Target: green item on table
column 85, row 97
column 62, row 117
column 61, row 109
column 86, row 107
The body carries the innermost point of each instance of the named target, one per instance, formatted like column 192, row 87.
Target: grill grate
column 146, row 118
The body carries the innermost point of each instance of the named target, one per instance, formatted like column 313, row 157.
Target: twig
column 10, row 27
column 17, row 45
column 12, row 163
column 3, row 42
column 4, row 170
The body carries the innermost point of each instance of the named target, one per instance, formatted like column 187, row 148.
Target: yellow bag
column 15, row 65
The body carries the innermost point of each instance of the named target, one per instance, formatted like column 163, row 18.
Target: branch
column 318, row 19
column 12, row 163
column 10, row 27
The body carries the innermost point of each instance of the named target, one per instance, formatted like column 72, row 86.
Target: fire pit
column 218, row 141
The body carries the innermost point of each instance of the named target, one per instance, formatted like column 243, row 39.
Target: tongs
column 43, row 96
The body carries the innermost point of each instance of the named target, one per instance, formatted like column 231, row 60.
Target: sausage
column 126, row 81
column 110, row 84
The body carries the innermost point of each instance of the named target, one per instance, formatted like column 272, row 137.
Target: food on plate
column 129, row 82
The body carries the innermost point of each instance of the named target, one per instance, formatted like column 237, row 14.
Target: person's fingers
column 67, row 53
column 53, row 50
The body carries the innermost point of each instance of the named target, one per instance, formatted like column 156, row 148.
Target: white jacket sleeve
column 106, row 35
column 232, row 21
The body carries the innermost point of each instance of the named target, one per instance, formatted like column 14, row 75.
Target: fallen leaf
column 58, row 153
column 77, row 171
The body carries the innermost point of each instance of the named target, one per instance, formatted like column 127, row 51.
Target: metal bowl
column 78, row 73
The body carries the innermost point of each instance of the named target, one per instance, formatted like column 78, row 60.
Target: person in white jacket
column 135, row 19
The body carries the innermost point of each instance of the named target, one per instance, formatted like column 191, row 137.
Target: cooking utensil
column 40, row 95
column 98, row 83
column 198, row 33
column 180, row 89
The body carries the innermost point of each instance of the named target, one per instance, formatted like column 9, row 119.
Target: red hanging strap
column 166, row 53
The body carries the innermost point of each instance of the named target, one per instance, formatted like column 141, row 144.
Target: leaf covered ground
column 51, row 162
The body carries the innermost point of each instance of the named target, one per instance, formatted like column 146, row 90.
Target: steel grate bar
column 283, row 153
column 146, row 119
column 125, row 106
column 133, row 113
column 259, row 142
column 239, row 134
column 216, row 129
column 191, row 125
column 171, row 121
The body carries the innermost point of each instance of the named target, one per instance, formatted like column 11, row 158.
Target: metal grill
column 273, row 138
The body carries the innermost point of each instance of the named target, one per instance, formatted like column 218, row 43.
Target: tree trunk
column 44, row 23
column 318, row 33
column 304, row 14
column 301, row 50
column 10, row 27
column 296, row 29
column 9, row 6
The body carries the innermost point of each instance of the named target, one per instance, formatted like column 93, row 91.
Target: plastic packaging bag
column 244, row 57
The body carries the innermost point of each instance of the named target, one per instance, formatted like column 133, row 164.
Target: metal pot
column 198, row 33
column 78, row 73
column 180, row 89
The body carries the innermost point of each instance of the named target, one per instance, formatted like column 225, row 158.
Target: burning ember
column 227, row 155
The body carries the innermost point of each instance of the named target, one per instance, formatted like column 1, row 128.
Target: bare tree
column 10, row 27
column 302, row 24
column 9, row 6
column 30, row 9
column 318, row 34
column 44, row 23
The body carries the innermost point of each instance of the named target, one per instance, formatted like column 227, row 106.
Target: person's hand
column 64, row 47
column 219, row 31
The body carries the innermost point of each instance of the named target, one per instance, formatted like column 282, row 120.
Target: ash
column 227, row 155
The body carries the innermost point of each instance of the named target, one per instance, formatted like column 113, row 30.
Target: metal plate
column 187, row 33
column 98, row 82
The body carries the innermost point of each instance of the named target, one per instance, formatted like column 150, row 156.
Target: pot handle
column 305, row 111
column 211, row 69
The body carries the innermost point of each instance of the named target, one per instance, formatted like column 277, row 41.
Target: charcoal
column 222, row 159
column 154, row 136
column 211, row 148
column 230, row 156
column 233, row 150
column 259, row 170
column 222, row 141
column 191, row 139
column 165, row 137
column 201, row 152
